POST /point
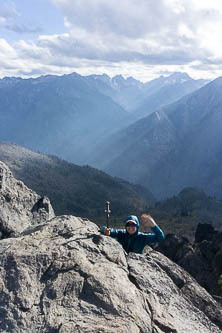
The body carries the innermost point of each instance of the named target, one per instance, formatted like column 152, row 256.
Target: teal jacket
column 137, row 241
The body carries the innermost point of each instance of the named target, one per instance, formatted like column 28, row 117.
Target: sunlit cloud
column 122, row 37
column 6, row 49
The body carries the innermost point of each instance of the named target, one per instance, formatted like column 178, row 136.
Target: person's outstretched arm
column 114, row 233
column 157, row 234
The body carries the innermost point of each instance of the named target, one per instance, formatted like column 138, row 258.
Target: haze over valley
column 163, row 134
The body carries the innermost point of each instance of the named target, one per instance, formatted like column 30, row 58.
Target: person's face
column 131, row 228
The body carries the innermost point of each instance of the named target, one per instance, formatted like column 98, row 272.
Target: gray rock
column 204, row 231
column 202, row 259
column 64, row 276
column 20, row 207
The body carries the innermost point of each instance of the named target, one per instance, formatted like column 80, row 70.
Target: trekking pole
column 107, row 211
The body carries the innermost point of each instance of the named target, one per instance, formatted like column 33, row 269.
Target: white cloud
column 8, row 9
column 132, row 30
column 176, row 6
column 6, row 49
column 124, row 18
column 12, row 20
column 31, row 51
column 139, row 37
column 10, row 62
column 209, row 5
column 2, row 20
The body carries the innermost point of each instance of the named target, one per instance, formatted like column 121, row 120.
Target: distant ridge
column 71, row 115
column 73, row 189
column 164, row 91
column 141, row 99
column 177, row 146
column 63, row 116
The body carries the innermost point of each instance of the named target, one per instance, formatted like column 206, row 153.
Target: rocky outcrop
column 202, row 259
column 64, row 276
column 20, row 207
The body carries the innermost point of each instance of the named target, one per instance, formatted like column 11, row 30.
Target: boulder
column 204, row 231
column 64, row 276
column 20, row 207
column 61, row 275
column 202, row 259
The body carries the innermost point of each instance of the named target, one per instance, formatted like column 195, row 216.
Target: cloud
column 6, row 49
column 22, row 28
column 8, row 10
column 126, row 31
column 2, row 20
column 143, row 37
column 12, row 20
column 124, row 18
column 175, row 33
column 9, row 59
column 83, row 44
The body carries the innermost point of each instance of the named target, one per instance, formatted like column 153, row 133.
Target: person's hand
column 147, row 221
column 107, row 231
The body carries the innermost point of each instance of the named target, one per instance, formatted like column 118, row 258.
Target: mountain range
column 163, row 91
column 70, row 115
column 56, row 115
column 163, row 134
column 141, row 99
column 177, row 146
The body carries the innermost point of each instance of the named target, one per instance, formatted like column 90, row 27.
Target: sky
column 140, row 38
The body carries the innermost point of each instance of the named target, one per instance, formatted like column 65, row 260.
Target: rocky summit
column 202, row 259
column 62, row 275
column 20, row 207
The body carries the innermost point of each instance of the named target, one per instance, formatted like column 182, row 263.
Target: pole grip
column 107, row 211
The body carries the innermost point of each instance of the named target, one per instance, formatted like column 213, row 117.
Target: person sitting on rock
column 130, row 238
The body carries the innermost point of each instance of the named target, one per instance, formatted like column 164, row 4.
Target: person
column 131, row 239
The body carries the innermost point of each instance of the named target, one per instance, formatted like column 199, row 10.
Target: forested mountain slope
column 73, row 189
column 175, row 147
column 70, row 115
